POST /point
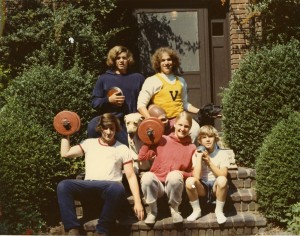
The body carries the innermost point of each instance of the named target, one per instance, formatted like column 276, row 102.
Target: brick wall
column 241, row 28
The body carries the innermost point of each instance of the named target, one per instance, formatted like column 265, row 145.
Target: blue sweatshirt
column 130, row 84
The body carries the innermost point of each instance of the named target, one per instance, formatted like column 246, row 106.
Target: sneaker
column 150, row 219
column 177, row 218
column 194, row 216
column 221, row 218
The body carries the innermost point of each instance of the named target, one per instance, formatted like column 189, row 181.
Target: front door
column 184, row 31
column 199, row 35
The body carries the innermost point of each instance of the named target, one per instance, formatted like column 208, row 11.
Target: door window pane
column 176, row 29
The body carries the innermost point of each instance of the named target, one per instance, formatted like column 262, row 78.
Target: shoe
column 74, row 232
column 194, row 216
column 176, row 217
column 221, row 218
column 150, row 219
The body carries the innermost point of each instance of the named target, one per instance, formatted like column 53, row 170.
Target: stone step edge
column 241, row 219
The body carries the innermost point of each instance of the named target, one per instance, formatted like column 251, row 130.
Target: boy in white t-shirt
column 105, row 159
column 209, row 174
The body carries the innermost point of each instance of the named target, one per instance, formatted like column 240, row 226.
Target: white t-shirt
column 104, row 162
column 219, row 158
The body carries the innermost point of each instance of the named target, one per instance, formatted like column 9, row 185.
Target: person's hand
column 139, row 210
column 206, row 157
column 116, row 99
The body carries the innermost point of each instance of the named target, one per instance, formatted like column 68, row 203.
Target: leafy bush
column 30, row 161
column 278, row 169
column 263, row 90
column 293, row 221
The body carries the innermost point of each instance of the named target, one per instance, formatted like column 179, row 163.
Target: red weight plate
column 79, row 121
column 113, row 90
column 150, row 130
column 66, row 122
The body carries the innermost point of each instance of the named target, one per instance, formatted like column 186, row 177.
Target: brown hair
column 108, row 119
column 156, row 59
column 113, row 54
column 208, row 130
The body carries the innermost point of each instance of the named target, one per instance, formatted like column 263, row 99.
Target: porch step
column 243, row 223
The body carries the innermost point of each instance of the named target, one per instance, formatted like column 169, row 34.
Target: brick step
column 241, row 177
column 242, row 223
column 237, row 200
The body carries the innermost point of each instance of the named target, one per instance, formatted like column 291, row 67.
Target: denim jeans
column 111, row 193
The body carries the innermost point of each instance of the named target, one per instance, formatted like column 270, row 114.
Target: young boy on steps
column 209, row 174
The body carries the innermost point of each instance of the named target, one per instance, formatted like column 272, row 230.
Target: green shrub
column 277, row 169
column 30, row 161
column 293, row 221
column 262, row 91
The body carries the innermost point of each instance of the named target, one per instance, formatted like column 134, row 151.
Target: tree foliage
column 280, row 21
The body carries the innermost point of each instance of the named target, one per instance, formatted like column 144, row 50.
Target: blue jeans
column 111, row 193
column 121, row 136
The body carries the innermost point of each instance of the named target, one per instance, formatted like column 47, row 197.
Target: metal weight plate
column 113, row 90
column 150, row 130
column 66, row 122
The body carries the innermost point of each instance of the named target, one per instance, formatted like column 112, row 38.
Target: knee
column 116, row 188
column 221, row 182
column 190, row 181
column 147, row 179
column 62, row 186
column 174, row 178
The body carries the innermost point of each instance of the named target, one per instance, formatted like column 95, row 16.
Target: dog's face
column 208, row 113
column 211, row 110
column 132, row 122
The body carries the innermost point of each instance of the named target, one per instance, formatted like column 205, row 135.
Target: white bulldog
column 132, row 122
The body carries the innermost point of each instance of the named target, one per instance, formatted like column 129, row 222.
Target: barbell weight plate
column 66, row 122
column 79, row 121
column 150, row 130
column 113, row 90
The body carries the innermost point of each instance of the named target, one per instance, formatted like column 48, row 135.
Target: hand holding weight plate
column 150, row 130
column 66, row 123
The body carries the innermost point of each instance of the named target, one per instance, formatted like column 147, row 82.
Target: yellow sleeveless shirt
column 169, row 97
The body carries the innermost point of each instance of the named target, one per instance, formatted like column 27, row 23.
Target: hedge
column 277, row 169
column 262, row 91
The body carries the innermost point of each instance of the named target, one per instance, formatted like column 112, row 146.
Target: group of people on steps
column 178, row 163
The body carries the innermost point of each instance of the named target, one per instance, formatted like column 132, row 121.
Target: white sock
column 174, row 208
column 196, row 211
column 221, row 218
column 219, row 206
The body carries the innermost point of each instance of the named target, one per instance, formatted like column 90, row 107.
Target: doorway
column 199, row 35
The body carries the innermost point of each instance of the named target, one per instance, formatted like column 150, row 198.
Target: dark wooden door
column 186, row 31
column 200, row 36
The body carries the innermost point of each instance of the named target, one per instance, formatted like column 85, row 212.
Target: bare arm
column 134, row 187
column 192, row 109
column 217, row 171
column 67, row 151
column 198, row 165
column 144, row 112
